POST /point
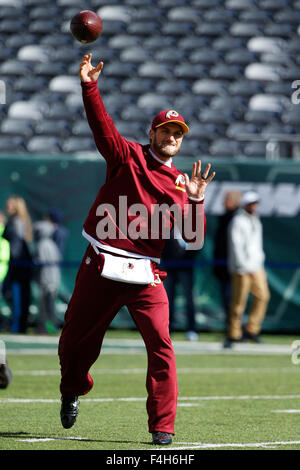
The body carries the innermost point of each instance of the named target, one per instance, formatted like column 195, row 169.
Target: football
column 86, row 26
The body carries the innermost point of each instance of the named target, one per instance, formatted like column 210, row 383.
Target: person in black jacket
column 16, row 288
column 178, row 261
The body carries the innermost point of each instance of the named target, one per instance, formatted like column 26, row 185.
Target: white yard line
column 142, row 399
column 35, row 344
column 236, row 445
column 180, row 370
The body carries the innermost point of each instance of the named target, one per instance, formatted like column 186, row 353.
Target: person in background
column 18, row 232
column 61, row 233
column 4, row 258
column 4, row 250
column 179, row 261
column 47, row 259
column 232, row 200
column 246, row 265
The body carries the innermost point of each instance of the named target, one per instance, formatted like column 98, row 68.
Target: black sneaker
column 5, row 376
column 229, row 342
column 69, row 411
column 252, row 337
column 161, row 438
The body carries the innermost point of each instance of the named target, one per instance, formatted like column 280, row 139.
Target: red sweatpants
column 94, row 304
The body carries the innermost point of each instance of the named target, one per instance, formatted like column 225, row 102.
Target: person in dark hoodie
column 47, row 262
column 16, row 285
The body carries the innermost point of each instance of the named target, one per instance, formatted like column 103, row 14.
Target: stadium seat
column 129, row 130
column 206, row 56
column 43, row 26
column 25, row 109
column 14, row 126
column 143, row 28
column 263, row 72
column 155, row 101
column 184, row 13
column 135, row 54
column 57, row 110
column 260, row 117
column 273, row 4
column 146, row 13
column 228, row 43
column 194, row 147
column 273, row 103
column 209, row 87
column 30, row 84
column 264, row 44
column 204, row 4
column 219, row 15
column 44, row 12
column 124, row 41
column 135, row 113
column 193, row 43
column 78, row 143
column 240, row 56
column 255, row 15
column 53, row 127
column 120, row 69
column 207, row 131
column 225, row 148
column 242, row 129
column 190, row 71
column 65, row 83
column 137, row 86
column 15, row 144
column 240, row 4
column 255, row 149
column 226, row 71
column 44, row 144
column 244, row 87
column 34, row 53
column 15, row 67
column 112, row 12
column 49, row 69
column 246, row 29
column 211, row 29
column 170, row 55
column 216, row 116
column 175, row 87
column 155, row 70
column 81, row 128
column 282, row 30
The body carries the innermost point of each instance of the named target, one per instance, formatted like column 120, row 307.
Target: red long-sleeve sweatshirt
column 124, row 217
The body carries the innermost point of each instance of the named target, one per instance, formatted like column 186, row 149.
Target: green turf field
column 247, row 398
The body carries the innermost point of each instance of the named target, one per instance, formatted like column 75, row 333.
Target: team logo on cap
column 171, row 113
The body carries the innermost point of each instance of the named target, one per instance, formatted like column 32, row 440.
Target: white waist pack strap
column 131, row 270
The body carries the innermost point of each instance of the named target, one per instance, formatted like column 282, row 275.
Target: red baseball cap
column 164, row 117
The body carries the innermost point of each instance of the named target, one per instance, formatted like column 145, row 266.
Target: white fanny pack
column 131, row 270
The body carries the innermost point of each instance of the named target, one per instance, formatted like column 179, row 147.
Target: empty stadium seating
column 226, row 65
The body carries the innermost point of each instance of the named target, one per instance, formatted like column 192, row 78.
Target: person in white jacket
column 246, row 266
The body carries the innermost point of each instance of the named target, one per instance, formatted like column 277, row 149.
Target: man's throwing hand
column 196, row 186
column 87, row 72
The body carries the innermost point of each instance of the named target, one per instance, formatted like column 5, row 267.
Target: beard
column 165, row 150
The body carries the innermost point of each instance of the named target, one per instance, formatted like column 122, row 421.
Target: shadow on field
column 26, row 435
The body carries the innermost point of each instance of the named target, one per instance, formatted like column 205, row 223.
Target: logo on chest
column 180, row 183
